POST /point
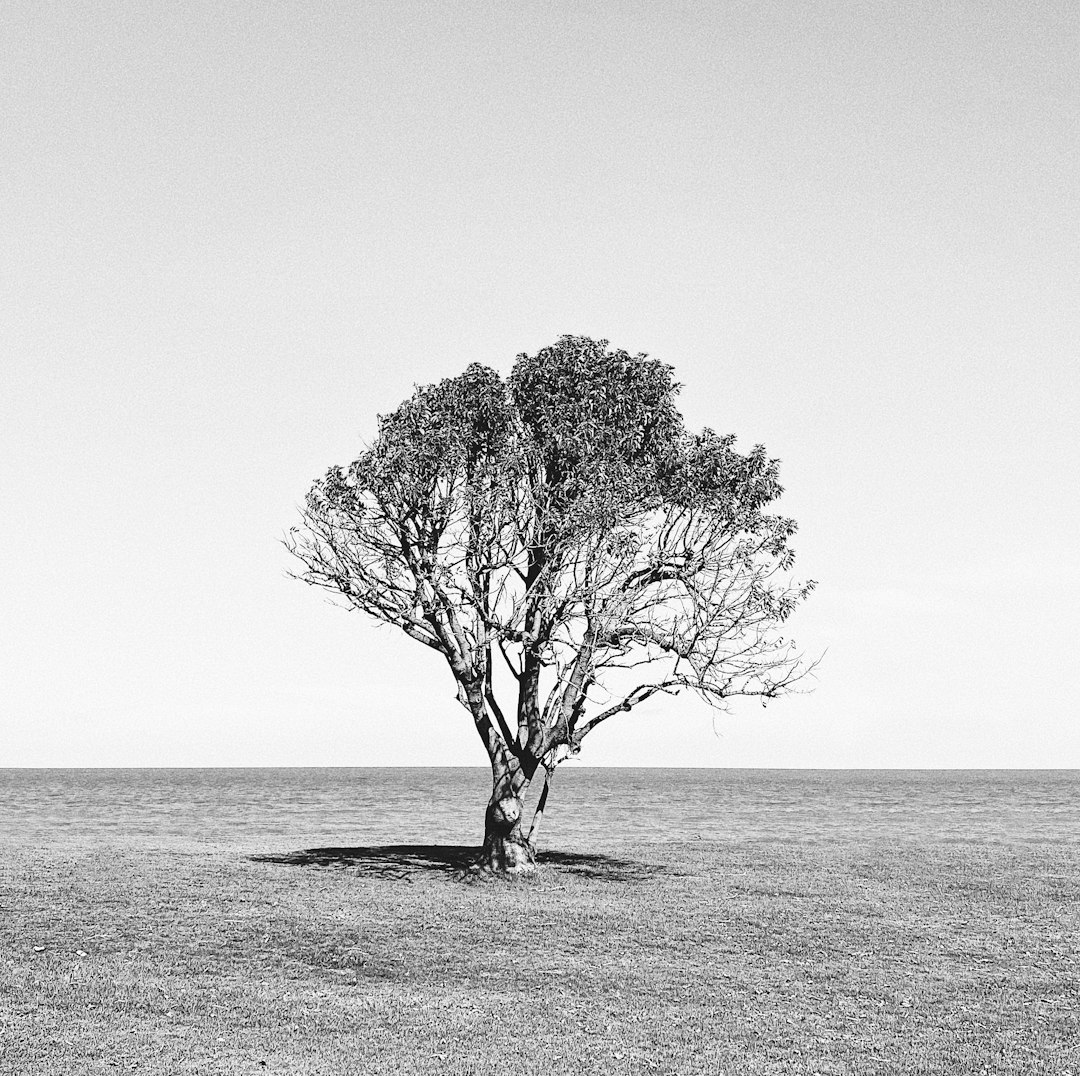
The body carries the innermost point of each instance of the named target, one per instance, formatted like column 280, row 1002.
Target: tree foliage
column 561, row 532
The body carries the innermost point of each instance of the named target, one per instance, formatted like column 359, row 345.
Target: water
column 342, row 806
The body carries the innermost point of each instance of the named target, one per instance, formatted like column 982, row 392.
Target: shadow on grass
column 457, row 860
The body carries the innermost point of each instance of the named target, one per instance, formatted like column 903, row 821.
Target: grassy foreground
column 752, row 957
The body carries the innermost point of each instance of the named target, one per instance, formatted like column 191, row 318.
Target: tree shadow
column 404, row 861
column 601, row 868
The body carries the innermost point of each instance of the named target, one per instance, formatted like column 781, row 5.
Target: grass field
column 696, row 958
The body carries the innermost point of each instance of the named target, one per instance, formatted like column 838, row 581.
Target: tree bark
column 507, row 849
column 507, row 845
column 538, row 814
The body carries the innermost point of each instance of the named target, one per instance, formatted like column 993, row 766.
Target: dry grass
column 698, row 958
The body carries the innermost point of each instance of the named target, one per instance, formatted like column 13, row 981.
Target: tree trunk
column 507, row 849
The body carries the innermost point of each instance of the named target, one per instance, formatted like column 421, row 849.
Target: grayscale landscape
column 539, row 538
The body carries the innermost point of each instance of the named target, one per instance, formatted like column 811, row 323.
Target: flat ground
column 736, row 958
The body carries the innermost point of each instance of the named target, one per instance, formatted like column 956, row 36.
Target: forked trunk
column 507, row 848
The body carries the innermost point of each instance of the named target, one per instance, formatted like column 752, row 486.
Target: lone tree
column 569, row 548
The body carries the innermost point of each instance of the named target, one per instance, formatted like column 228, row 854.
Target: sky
column 232, row 234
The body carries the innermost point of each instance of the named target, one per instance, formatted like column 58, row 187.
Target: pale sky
column 234, row 233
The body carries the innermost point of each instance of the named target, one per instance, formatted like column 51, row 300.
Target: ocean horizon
column 357, row 805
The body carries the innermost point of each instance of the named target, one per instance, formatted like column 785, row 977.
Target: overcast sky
column 234, row 233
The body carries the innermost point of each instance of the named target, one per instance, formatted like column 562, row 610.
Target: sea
column 588, row 807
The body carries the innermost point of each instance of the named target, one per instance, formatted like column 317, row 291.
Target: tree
column 569, row 549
